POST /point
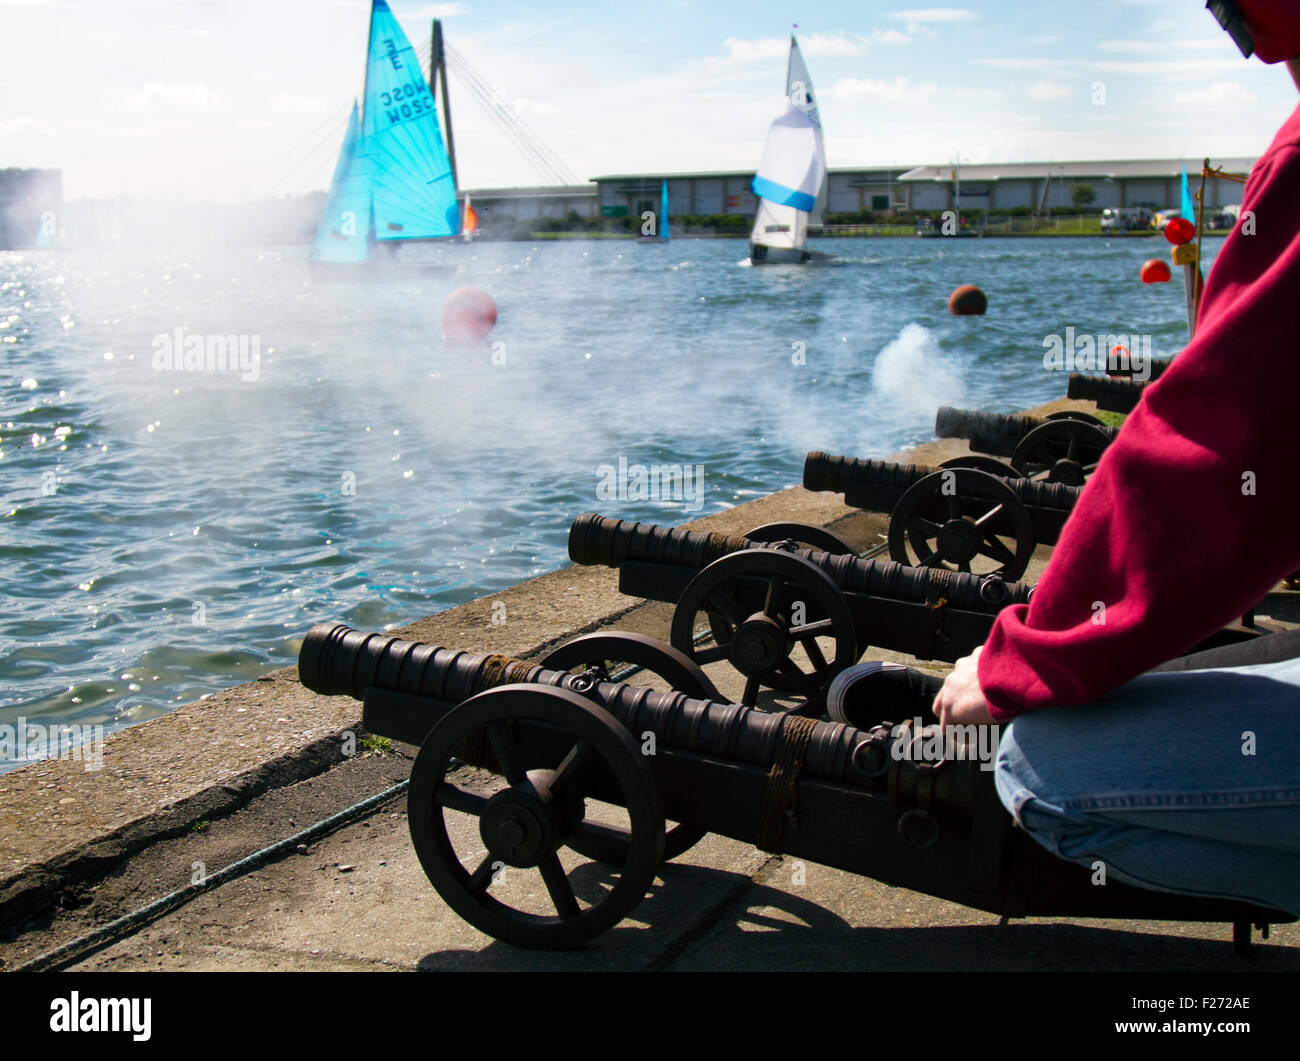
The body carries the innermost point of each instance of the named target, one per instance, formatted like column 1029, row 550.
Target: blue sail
column 344, row 233
column 413, row 192
column 663, row 214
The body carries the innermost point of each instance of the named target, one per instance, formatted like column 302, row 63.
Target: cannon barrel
column 1113, row 395
column 886, row 481
column 336, row 660
column 596, row 541
column 1155, row 369
column 992, row 432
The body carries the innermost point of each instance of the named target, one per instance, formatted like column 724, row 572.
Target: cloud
column 525, row 107
column 1203, row 43
column 864, row 90
column 814, row 44
column 1168, row 67
column 1047, row 91
column 157, row 96
column 1219, row 94
column 25, row 123
column 288, row 103
column 935, row 14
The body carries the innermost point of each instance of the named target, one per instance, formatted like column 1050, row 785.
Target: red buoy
column 1180, row 231
column 1155, row 271
column 967, row 301
column 469, row 313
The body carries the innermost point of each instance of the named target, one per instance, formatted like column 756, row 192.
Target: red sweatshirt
column 1193, row 514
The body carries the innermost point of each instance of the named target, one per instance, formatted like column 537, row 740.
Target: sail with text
column 799, row 90
column 345, row 231
column 413, row 191
column 792, row 174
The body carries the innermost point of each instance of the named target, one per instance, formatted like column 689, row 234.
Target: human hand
column 961, row 701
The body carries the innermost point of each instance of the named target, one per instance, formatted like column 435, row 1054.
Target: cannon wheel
column 928, row 528
column 1061, row 451
column 759, row 644
column 1072, row 414
column 804, row 535
column 599, row 651
column 983, row 464
column 525, row 824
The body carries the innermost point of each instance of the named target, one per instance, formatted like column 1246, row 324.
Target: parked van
column 1125, row 218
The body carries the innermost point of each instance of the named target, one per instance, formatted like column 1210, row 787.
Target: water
column 164, row 534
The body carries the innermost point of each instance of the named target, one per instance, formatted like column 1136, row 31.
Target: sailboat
column 394, row 181
column 662, row 234
column 791, row 179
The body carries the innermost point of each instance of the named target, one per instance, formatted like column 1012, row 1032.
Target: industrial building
column 994, row 186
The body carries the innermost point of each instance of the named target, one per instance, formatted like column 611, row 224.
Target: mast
column 365, row 88
column 438, row 65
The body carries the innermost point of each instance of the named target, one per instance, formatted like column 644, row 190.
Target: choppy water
column 167, row 533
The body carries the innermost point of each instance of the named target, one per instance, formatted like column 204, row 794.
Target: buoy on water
column 967, row 301
column 1180, row 231
column 1155, row 271
column 468, row 314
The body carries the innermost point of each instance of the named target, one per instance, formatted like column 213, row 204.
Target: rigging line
column 535, row 158
column 523, row 133
column 486, row 98
column 327, row 139
column 530, row 151
column 465, row 68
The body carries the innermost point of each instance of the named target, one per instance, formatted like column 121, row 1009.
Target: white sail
column 799, row 91
column 789, row 179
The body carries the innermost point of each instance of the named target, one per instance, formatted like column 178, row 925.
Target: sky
column 233, row 100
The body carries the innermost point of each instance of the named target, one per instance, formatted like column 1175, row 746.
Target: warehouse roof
column 1121, row 168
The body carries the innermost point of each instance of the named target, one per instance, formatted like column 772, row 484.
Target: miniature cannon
column 952, row 514
column 1113, row 395
column 762, row 600
column 869, row 802
column 1155, row 369
column 1065, row 447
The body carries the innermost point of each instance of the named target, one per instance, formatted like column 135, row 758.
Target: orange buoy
column 1180, row 231
column 469, row 313
column 1155, row 271
column 967, row 301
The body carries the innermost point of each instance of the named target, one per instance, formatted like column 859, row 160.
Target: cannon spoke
column 995, row 549
column 820, row 666
column 773, row 597
column 566, row 903
column 450, row 797
column 823, row 627
column 503, row 749
column 750, row 695
column 482, row 877
column 570, row 765
column 726, row 604
column 716, row 654
column 923, row 527
column 803, row 684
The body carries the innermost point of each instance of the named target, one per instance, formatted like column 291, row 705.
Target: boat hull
column 763, row 255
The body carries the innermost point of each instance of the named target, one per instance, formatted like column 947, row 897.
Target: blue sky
column 238, row 99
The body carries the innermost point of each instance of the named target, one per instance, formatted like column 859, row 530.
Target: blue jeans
column 1186, row 781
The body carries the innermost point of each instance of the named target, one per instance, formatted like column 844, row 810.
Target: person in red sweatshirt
column 1184, row 779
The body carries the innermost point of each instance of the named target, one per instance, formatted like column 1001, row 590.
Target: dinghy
column 394, row 181
column 791, row 179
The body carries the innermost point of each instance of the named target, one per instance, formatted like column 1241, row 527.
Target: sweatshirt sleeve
column 1193, row 513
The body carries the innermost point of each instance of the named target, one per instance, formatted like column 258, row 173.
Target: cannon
column 762, row 600
column 871, row 802
column 1063, row 447
column 956, row 514
column 1155, row 369
column 1113, row 395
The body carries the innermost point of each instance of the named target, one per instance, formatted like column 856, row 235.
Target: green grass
column 1110, row 419
column 372, row 742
